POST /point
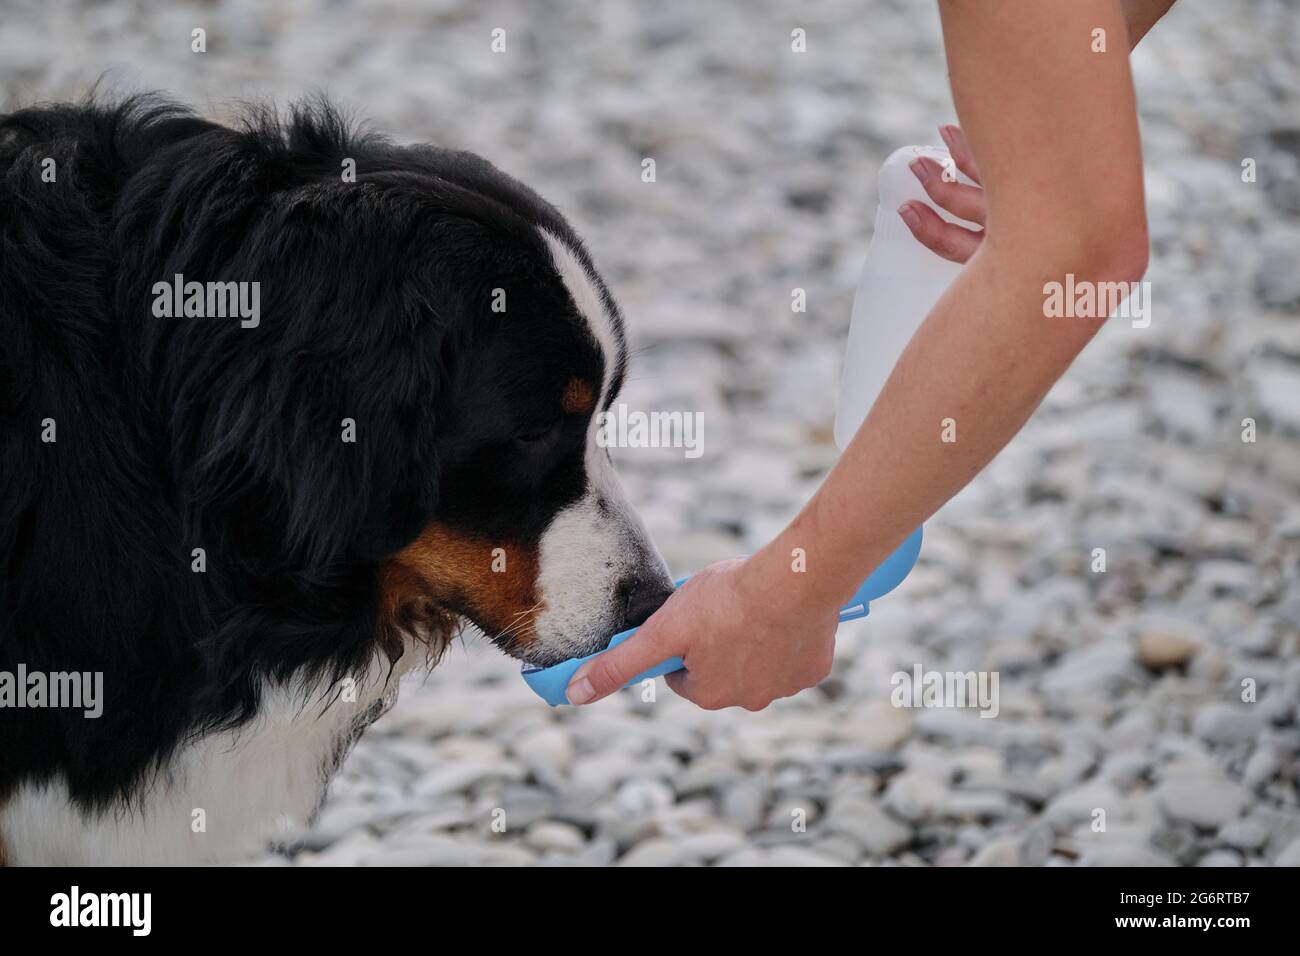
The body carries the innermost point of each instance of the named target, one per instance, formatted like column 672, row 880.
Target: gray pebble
column 1227, row 724
column 1202, row 801
column 867, row 823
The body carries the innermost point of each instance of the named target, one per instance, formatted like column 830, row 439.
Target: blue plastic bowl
column 550, row 683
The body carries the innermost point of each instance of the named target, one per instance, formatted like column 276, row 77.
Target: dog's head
column 413, row 416
column 532, row 538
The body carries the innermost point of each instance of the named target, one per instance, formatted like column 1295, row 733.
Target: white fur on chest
column 248, row 787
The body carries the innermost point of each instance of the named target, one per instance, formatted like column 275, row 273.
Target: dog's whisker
column 520, row 623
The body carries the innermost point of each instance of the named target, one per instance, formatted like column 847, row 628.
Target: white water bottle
column 901, row 281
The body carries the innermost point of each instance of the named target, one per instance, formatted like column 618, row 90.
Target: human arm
column 1054, row 128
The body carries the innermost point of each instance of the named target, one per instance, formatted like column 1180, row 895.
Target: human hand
column 949, row 240
column 745, row 640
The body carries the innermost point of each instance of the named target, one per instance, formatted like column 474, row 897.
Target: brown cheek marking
column 445, row 571
column 406, row 609
column 579, row 396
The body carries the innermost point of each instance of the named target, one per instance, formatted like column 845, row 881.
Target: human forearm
column 975, row 371
column 1053, row 130
column 1141, row 15
column 1052, row 124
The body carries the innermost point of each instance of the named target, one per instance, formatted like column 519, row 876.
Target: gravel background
column 1120, row 691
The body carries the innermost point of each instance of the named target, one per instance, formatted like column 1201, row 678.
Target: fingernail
column 580, row 691
column 919, row 170
column 909, row 215
column 946, row 133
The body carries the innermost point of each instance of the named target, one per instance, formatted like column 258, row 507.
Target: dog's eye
column 536, row 436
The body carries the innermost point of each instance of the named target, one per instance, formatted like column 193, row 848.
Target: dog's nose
column 641, row 597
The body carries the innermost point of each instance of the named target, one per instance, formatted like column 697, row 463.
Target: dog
column 283, row 405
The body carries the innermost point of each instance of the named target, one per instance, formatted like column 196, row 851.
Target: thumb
column 610, row 670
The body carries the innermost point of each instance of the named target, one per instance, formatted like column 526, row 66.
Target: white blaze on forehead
column 598, row 540
column 603, row 484
column 582, row 288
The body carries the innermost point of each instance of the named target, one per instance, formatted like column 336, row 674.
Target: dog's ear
column 300, row 462
column 301, row 434
column 295, row 454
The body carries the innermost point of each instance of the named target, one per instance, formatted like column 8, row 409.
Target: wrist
column 795, row 570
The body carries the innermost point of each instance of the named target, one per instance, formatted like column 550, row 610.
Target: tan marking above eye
column 579, row 396
column 445, row 572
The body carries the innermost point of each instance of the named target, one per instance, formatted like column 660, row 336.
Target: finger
column 679, row 682
column 965, row 202
column 610, row 670
column 687, row 687
column 959, row 150
column 949, row 240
